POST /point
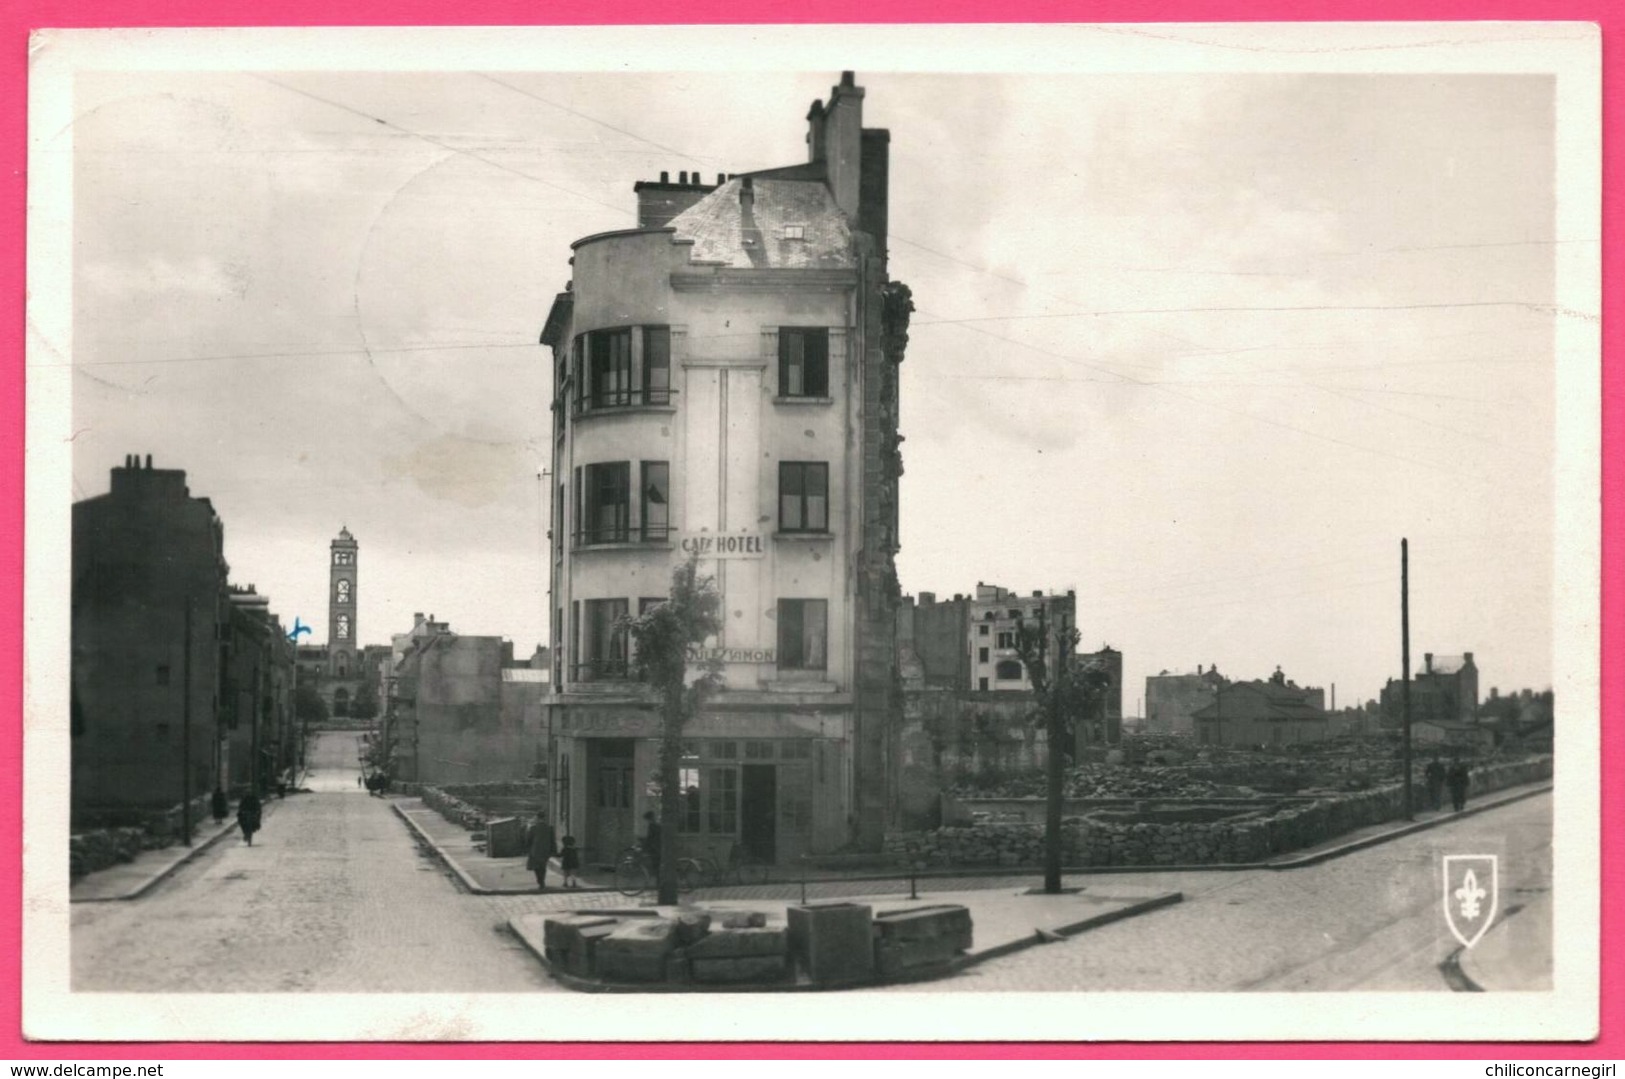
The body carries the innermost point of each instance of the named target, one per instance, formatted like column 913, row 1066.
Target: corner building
column 725, row 383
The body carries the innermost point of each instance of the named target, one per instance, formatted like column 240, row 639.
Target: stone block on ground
column 571, row 942
column 833, row 942
column 749, row 968
column 637, row 951
column 737, row 943
column 505, row 837
column 896, row 957
column 947, row 922
column 743, row 919
column 692, row 925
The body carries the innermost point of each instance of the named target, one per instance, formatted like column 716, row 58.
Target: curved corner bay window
column 803, row 634
column 603, row 497
column 602, row 650
column 803, row 496
column 655, row 501
column 614, row 374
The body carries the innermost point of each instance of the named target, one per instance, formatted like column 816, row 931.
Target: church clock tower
column 342, row 651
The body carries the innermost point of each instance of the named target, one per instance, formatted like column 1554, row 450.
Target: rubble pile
column 1147, row 837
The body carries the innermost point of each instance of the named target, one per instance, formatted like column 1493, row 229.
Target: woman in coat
column 248, row 816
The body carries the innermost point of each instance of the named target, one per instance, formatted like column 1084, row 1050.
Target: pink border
column 16, row 20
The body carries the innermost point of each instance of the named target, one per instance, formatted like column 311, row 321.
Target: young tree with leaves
column 665, row 640
column 1065, row 698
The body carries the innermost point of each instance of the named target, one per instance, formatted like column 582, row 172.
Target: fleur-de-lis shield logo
column 1471, row 890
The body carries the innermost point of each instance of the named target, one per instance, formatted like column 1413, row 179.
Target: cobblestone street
column 332, row 897
column 335, row 895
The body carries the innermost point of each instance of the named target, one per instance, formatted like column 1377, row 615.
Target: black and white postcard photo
column 813, row 533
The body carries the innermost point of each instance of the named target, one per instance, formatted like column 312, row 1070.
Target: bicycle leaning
column 635, row 874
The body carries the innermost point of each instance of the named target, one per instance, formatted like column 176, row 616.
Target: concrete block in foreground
column 833, row 942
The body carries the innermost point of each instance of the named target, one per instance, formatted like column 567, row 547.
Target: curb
column 469, row 883
column 163, row 874
column 1301, row 861
column 921, row 974
column 1072, row 929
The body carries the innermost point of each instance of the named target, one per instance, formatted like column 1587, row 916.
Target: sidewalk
column 482, row 875
column 1002, row 922
column 1505, row 959
column 133, row 879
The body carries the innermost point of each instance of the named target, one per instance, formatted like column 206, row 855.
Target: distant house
column 1445, row 688
column 1276, row 712
column 1171, row 700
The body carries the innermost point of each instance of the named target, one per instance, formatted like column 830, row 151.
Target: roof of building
column 524, row 674
column 1260, row 700
column 727, row 230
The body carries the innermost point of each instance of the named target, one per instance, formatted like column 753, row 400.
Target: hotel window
column 981, row 655
column 656, row 365
column 803, row 634
column 605, row 493
column 688, row 786
column 655, row 501
column 1008, row 671
column 803, row 362
column 981, row 631
column 1005, row 639
column 603, row 652
column 803, row 496
column 722, row 800
column 607, row 382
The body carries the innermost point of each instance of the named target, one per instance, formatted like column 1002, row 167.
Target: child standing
column 570, row 861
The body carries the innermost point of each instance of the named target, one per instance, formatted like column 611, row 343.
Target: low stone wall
column 1276, row 827
column 472, row 805
column 105, row 847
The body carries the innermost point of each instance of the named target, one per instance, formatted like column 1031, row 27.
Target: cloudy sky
column 1202, row 347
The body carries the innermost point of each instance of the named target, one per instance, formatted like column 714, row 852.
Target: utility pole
column 1053, row 773
column 186, row 728
column 1405, row 664
column 1218, row 714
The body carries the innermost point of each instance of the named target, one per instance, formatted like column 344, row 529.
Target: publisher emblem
column 1470, row 893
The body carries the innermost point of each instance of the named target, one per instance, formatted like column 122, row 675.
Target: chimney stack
column 747, row 192
column 149, row 462
column 1427, row 662
column 665, row 177
column 682, row 177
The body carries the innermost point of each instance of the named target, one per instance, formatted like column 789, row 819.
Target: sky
column 1202, row 347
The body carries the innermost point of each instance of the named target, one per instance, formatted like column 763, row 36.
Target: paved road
column 1367, row 921
column 332, row 897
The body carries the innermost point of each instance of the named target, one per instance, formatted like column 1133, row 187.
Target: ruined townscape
column 791, row 769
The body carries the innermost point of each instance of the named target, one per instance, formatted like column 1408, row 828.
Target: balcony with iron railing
column 621, row 399
column 621, row 535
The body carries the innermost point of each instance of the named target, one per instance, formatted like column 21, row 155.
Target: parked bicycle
column 634, row 874
column 739, row 868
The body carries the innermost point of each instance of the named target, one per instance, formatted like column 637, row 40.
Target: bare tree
column 667, row 639
column 1064, row 698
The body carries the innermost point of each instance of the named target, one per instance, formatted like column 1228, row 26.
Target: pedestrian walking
column 570, row 861
column 1434, row 776
column 1458, row 779
column 358, row 780
column 541, row 844
column 217, row 805
column 248, row 816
